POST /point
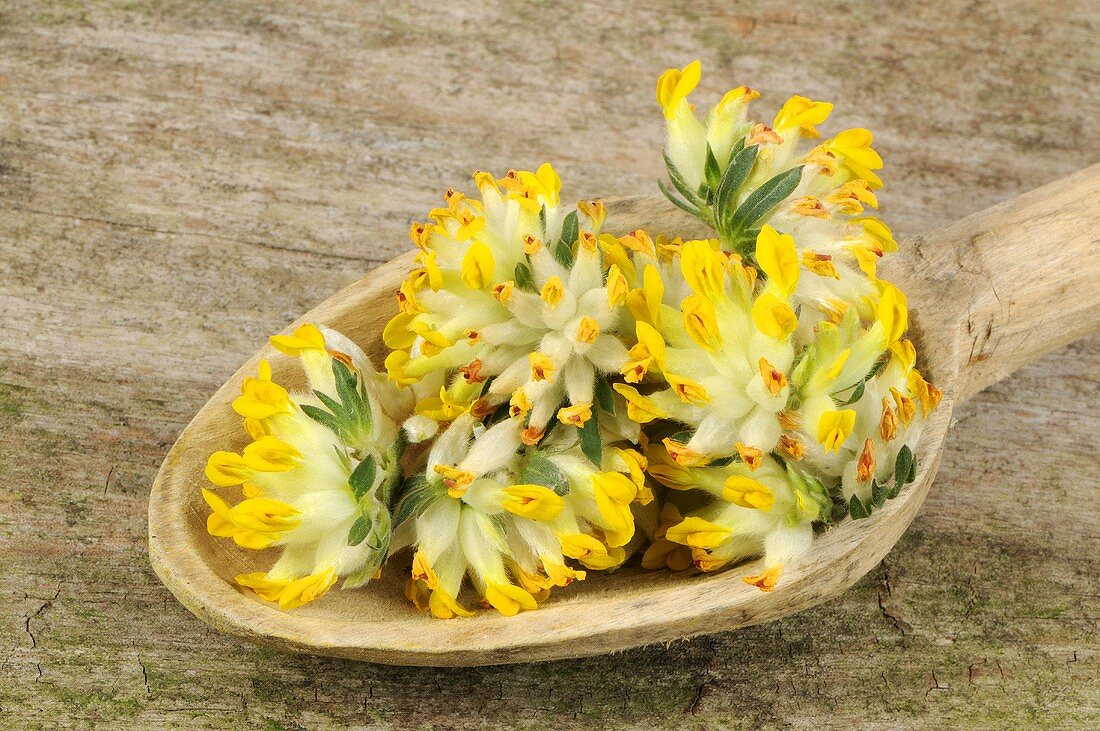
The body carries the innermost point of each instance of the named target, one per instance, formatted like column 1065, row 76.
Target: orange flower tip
column 472, row 372
column 766, row 580
column 531, row 435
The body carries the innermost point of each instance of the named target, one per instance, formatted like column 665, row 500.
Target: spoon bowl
column 974, row 319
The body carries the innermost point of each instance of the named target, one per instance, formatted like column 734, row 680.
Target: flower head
column 771, row 359
column 515, row 302
column 317, row 476
column 511, row 519
column 746, row 178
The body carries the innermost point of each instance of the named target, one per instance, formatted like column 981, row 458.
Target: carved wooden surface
column 179, row 179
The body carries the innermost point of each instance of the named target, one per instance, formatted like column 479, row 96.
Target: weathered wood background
column 180, row 179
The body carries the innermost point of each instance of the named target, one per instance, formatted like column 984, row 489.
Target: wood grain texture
column 180, row 180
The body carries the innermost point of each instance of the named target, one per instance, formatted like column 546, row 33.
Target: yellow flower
column 893, row 312
column 289, row 593
column 773, row 317
column 533, row 501
column 306, row 337
column 802, row 114
column 478, row 266
column 576, row 415
column 748, row 493
column 260, row 397
column 674, row 86
column 444, row 606
column 834, row 427
column 698, row 533
column 541, row 366
column 778, row 259
column 638, row 407
column 701, row 321
column 702, row 269
column 588, row 330
column 689, row 391
column 552, row 291
column 253, row 523
column 854, row 146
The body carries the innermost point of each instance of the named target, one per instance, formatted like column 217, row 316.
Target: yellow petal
column 773, row 317
column 638, row 407
column 893, row 312
column 689, row 391
column 748, row 493
column 307, row 589
column 778, row 259
column 703, row 269
column 533, row 501
column 674, row 86
column 803, row 114
column 698, row 533
column 653, row 290
column 226, row 469
column 834, row 427
column 701, row 321
column 575, row 415
column 552, row 291
column 306, row 337
column 509, row 599
column 478, row 266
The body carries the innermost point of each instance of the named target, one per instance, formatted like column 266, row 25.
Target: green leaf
column 765, row 198
column 605, row 397
column 591, row 444
column 856, row 395
column 838, row 511
column 679, row 203
column 857, row 509
column 737, row 147
column 525, row 280
column 683, row 436
column 879, row 493
column 563, row 254
column 679, row 183
column 362, row 477
column 322, row 417
column 415, row 496
column 711, row 172
column 570, row 230
column 360, row 529
column 877, row 367
column 903, row 466
column 346, row 381
column 347, row 387
column 538, row 470
column 542, row 221
column 338, row 410
column 745, row 241
column 725, row 196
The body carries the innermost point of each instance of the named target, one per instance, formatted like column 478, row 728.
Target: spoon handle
column 1020, row 279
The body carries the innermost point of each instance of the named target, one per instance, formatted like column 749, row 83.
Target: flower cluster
column 317, row 478
column 508, row 516
column 507, row 332
column 575, row 395
column 775, row 348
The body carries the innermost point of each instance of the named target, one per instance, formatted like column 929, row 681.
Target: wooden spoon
column 987, row 295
